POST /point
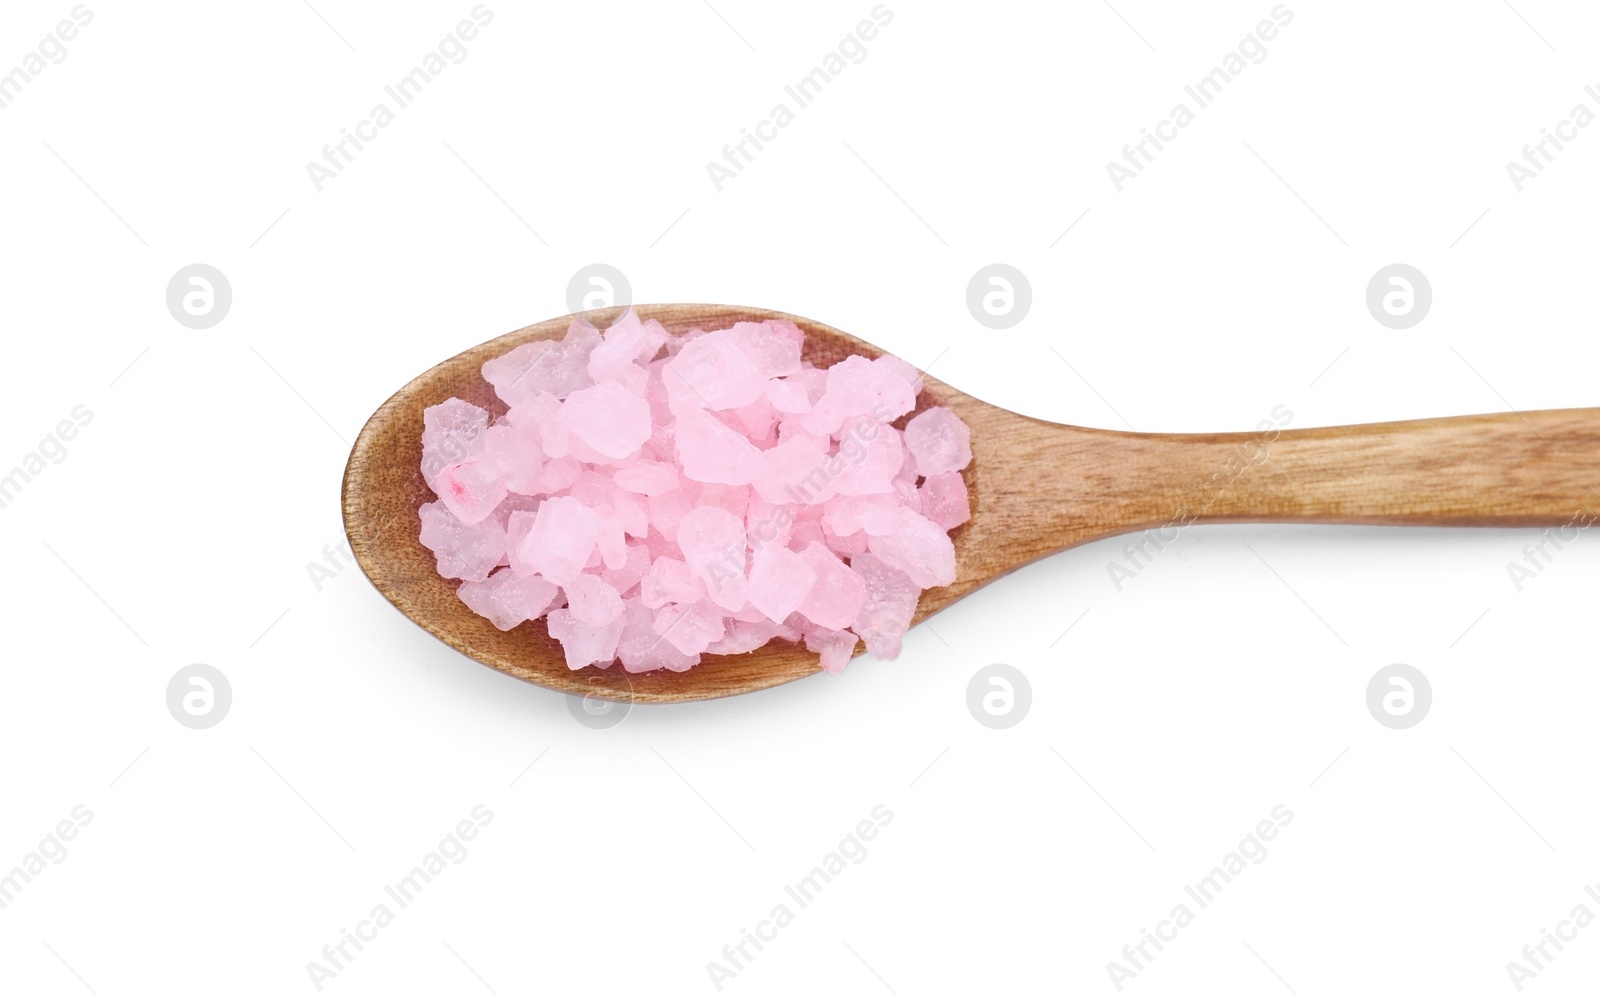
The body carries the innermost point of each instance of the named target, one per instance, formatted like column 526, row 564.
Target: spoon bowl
column 1035, row 488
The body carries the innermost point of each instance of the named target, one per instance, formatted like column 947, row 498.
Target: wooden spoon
column 1036, row 488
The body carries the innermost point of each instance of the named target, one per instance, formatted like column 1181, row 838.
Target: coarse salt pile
column 662, row 497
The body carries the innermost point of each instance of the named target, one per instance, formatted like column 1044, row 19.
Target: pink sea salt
column 833, row 649
column 471, row 489
column 713, row 372
column 507, row 599
column 713, row 543
column 890, row 601
column 556, row 368
column 451, row 432
column 670, row 581
column 642, row 650
column 608, row 418
column 462, row 551
column 661, row 499
column 939, row 441
column 835, row 598
column 515, row 455
column 561, row 540
column 592, row 601
column 691, row 628
column 582, row 643
column 779, row 581
column 713, row 451
column 942, row 499
column 918, row 548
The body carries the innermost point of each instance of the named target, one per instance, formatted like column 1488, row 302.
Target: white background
column 1220, row 683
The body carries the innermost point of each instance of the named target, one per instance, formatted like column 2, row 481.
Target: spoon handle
column 1537, row 468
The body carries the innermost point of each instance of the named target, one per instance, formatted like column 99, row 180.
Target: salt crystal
column 858, row 386
column 666, row 511
column 770, row 345
column 630, row 510
column 626, row 344
column 467, row 552
column 628, row 576
column 904, row 484
column 939, row 441
column 889, row 391
column 918, row 548
column 845, row 545
column 540, row 418
column 835, row 599
column 942, row 499
column 642, row 650
column 563, row 535
column 805, row 531
column 891, row 600
column 516, row 455
column 871, row 453
column 713, row 544
column 815, row 381
column 795, row 471
column 832, row 648
column 507, row 599
column 768, row 523
column 518, row 524
column 903, row 369
column 592, row 600
column 647, row 477
column 670, row 580
column 745, row 636
column 608, row 418
column 584, row 644
column 471, row 489
column 689, row 627
column 788, row 396
column 559, row 474
column 713, row 372
column 611, row 539
column 556, row 368
column 713, row 452
column 872, row 513
column 451, row 431
column 756, row 420
column 779, row 580
column 733, row 499
column 592, row 488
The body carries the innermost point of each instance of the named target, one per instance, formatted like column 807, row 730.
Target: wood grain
column 1035, row 487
